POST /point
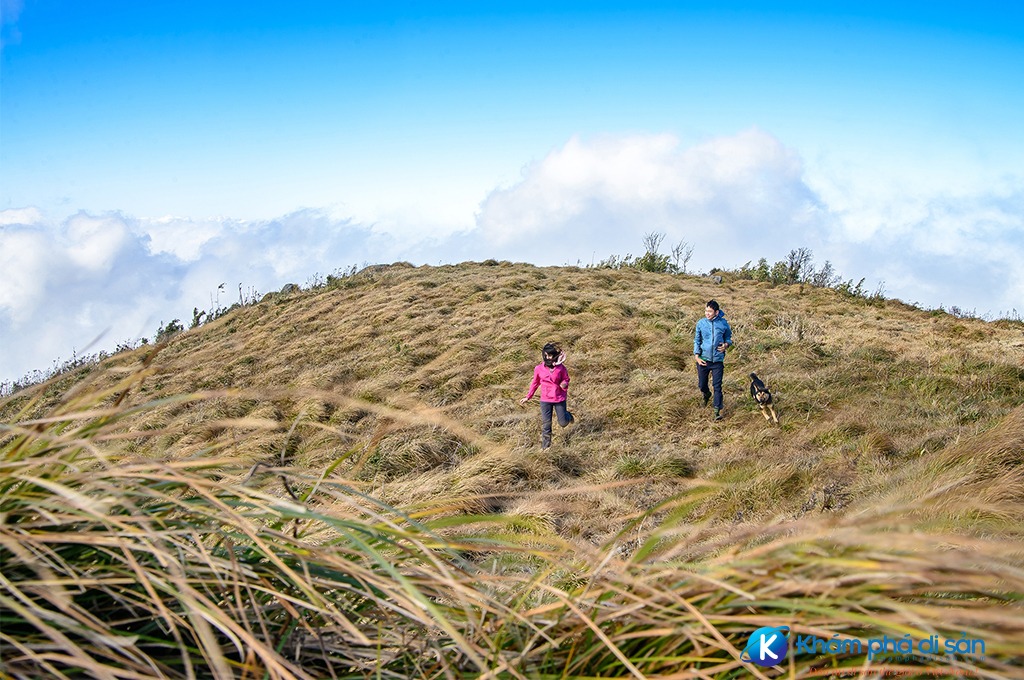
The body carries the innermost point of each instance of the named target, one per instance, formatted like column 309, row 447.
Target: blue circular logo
column 767, row 646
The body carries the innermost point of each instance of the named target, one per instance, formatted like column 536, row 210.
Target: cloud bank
column 962, row 251
column 94, row 281
column 732, row 198
column 735, row 199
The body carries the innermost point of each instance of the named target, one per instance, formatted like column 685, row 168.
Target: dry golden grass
column 341, row 483
column 867, row 392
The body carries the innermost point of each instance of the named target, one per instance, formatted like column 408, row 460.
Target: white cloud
column 22, row 216
column 962, row 251
column 182, row 237
column 118, row 278
column 739, row 198
column 25, row 257
column 732, row 197
column 93, row 243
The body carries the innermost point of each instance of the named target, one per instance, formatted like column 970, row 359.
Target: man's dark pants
column 715, row 369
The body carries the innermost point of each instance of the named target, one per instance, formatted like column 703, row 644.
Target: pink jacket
column 550, row 382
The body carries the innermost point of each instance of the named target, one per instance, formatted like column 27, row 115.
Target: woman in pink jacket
column 553, row 379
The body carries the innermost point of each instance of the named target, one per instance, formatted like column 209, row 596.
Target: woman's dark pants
column 564, row 418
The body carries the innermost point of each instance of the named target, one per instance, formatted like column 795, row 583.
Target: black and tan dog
column 763, row 398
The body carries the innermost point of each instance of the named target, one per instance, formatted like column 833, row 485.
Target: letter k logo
column 767, row 646
column 766, row 643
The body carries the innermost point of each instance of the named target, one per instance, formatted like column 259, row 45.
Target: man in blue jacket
column 710, row 340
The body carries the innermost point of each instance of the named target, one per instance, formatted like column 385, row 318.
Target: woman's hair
column 713, row 305
column 550, row 354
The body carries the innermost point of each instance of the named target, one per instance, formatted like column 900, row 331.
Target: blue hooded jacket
column 709, row 335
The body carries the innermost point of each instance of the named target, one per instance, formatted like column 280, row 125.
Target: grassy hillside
column 864, row 390
column 899, row 451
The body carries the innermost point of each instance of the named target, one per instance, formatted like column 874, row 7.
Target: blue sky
column 150, row 151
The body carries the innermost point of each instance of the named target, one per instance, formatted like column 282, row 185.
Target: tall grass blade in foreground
column 118, row 568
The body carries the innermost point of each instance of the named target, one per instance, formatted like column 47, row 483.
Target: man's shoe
column 707, row 398
column 718, row 414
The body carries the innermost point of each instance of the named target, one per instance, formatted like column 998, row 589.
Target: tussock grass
column 195, row 565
